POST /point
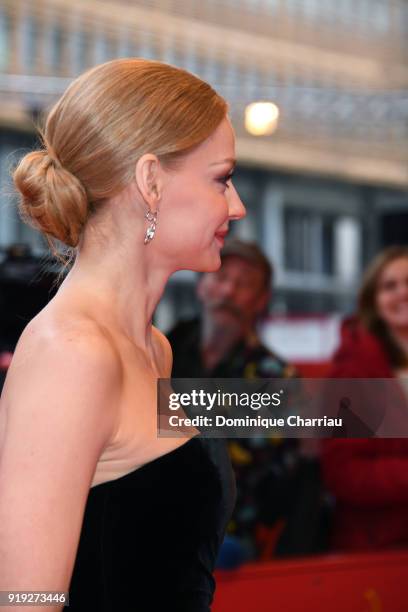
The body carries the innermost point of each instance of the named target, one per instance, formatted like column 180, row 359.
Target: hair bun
column 52, row 199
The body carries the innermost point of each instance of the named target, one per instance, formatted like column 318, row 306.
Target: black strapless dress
column 150, row 539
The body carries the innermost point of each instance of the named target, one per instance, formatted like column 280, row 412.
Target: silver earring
column 152, row 218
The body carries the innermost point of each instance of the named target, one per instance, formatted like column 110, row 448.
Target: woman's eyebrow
column 228, row 160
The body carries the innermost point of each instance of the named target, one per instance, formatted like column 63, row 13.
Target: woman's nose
column 236, row 209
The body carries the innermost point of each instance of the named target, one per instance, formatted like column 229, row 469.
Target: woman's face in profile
column 392, row 294
column 199, row 200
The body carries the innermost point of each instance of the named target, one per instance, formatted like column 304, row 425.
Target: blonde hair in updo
column 105, row 121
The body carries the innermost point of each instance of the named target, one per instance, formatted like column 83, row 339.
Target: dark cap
column 250, row 252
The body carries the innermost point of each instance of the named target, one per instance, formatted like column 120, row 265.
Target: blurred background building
column 324, row 192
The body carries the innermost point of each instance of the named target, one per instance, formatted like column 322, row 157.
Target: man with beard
column 224, row 343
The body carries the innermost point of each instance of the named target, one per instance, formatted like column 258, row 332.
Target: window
column 146, row 45
column 29, row 32
column 100, row 49
column 5, row 31
column 56, row 44
column 309, row 241
column 80, row 43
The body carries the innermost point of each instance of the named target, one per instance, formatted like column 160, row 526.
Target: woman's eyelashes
column 225, row 179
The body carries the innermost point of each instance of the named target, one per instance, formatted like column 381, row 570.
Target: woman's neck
column 116, row 291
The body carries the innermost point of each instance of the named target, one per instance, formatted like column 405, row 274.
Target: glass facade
column 337, row 70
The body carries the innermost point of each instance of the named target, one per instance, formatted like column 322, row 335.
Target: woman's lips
column 220, row 238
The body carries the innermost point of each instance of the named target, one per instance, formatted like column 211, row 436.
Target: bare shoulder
column 71, row 360
column 58, row 412
column 63, row 338
column 165, row 353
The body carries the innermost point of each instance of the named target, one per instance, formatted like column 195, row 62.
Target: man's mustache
column 226, row 305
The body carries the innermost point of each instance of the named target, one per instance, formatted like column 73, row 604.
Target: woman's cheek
column 386, row 308
column 381, row 305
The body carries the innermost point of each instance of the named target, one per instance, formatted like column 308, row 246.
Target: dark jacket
column 245, row 360
column 277, row 493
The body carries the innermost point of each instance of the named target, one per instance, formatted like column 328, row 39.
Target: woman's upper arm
column 58, row 413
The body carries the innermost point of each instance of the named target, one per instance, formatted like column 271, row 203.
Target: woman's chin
column 203, row 260
column 214, row 262
column 209, row 263
column 399, row 325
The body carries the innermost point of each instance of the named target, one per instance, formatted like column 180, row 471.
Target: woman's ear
column 148, row 179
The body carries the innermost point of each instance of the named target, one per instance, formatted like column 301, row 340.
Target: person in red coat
column 369, row 476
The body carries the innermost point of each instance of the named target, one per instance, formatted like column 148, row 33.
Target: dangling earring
column 152, row 218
